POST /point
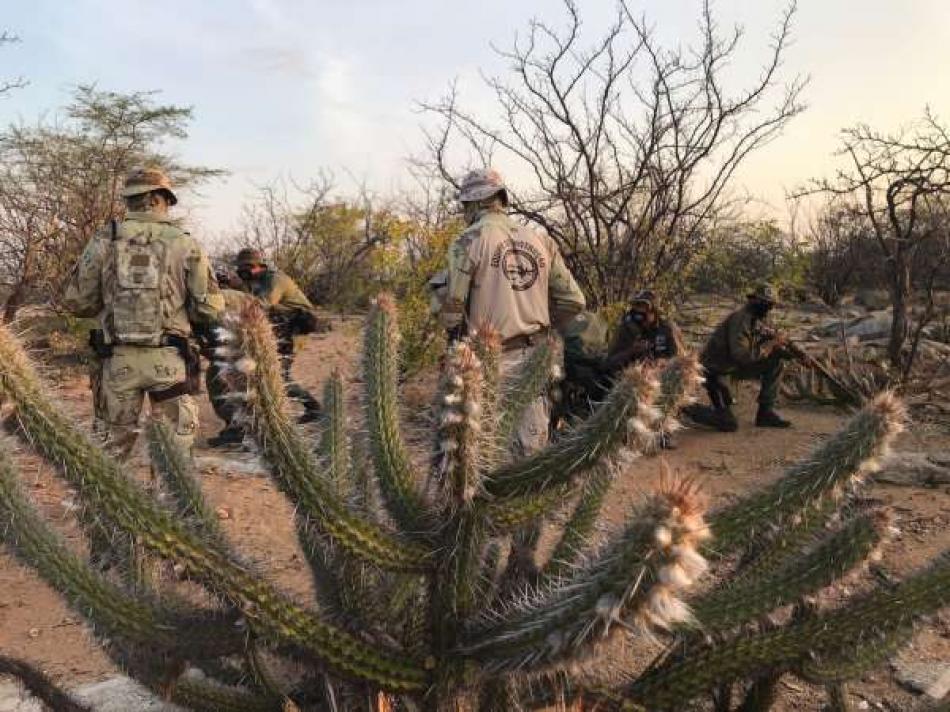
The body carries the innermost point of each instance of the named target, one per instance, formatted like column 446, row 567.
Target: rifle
column 839, row 388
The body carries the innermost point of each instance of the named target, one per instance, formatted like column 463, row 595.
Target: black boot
column 726, row 421
column 768, row 418
column 231, row 435
column 665, row 441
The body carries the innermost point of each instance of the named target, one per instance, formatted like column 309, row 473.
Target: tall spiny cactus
column 411, row 599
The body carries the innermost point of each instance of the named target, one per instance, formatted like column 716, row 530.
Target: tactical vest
column 135, row 306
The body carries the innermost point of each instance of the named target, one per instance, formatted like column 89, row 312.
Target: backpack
column 139, row 263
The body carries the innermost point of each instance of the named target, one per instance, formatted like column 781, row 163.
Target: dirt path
column 36, row 625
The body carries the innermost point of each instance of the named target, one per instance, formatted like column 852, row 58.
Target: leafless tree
column 630, row 146
column 315, row 238
column 838, row 237
column 60, row 182
column 901, row 181
column 7, row 85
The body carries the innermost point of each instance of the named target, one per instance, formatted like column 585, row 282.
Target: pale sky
column 289, row 87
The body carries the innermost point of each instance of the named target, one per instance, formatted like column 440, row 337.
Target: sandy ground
column 37, row 626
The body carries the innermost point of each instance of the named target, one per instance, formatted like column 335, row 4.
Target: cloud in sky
column 292, row 86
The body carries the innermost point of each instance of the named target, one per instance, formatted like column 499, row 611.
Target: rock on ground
column 117, row 694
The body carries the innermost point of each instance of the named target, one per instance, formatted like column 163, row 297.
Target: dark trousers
column 293, row 389
column 226, row 408
column 768, row 371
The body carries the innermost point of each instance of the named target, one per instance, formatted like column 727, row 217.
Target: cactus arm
column 334, row 446
column 455, row 586
column 39, row 685
column 103, row 487
column 579, row 528
column 391, row 461
column 114, row 611
column 517, row 394
column 680, row 377
column 851, row 663
column 769, row 554
column 294, row 465
column 207, row 695
column 750, row 597
column 636, row 583
column 626, row 410
column 862, row 622
column 177, row 472
column 843, row 459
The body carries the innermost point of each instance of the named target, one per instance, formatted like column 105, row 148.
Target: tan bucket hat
column 147, row 180
column 482, row 184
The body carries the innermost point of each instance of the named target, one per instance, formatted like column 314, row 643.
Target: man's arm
column 83, row 296
column 567, row 298
column 288, row 296
column 205, row 301
column 674, row 340
column 627, row 345
column 461, row 268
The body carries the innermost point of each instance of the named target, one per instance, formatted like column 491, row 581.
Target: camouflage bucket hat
column 481, row 184
column 250, row 256
column 764, row 292
column 147, row 180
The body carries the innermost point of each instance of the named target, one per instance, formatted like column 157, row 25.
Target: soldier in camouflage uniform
column 743, row 346
column 147, row 281
column 505, row 275
column 291, row 313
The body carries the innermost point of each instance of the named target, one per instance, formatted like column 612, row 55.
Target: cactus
column 416, row 606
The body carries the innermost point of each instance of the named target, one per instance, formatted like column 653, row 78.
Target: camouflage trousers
column 768, row 371
column 128, row 377
column 531, row 434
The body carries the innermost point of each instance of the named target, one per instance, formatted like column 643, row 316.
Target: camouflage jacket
column 635, row 342
column 187, row 291
column 736, row 343
column 509, row 276
column 279, row 293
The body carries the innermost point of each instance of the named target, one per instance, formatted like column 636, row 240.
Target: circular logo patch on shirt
column 520, row 267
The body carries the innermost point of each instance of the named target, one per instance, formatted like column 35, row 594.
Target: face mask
column 761, row 309
column 638, row 317
column 250, row 273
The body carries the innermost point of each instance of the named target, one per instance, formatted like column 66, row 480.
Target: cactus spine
column 417, row 605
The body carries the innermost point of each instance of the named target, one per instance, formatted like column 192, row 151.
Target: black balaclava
column 760, row 308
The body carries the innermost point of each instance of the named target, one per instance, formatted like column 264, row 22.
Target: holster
column 97, row 342
column 192, row 358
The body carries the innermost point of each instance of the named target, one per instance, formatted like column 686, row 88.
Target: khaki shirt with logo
column 186, row 290
column 508, row 276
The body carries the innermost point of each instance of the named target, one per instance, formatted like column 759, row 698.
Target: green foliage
column 60, row 181
column 738, row 256
column 343, row 253
column 413, row 598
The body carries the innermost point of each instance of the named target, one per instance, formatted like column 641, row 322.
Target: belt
column 523, row 341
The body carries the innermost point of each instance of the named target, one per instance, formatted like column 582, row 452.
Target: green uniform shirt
column 736, row 343
column 276, row 289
